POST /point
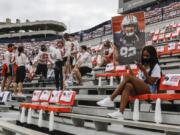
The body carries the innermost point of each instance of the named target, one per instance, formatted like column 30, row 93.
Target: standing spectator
column 74, row 50
column 42, row 59
column 58, row 69
column 14, row 65
column 7, row 69
column 21, row 61
column 30, row 71
column 68, row 59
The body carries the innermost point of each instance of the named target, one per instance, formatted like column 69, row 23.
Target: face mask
column 146, row 61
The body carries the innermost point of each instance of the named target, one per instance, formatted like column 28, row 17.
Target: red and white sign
column 36, row 95
column 109, row 67
column 55, row 96
column 45, row 96
column 172, row 79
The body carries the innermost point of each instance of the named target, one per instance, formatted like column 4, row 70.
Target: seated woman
column 97, row 59
column 83, row 64
column 146, row 82
column 107, row 54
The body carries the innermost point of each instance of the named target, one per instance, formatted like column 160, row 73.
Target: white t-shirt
column 86, row 60
column 156, row 72
column 52, row 50
column 7, row 58
column 76, row 46
column 58, row 54
column 67, row 46
column 21, row 60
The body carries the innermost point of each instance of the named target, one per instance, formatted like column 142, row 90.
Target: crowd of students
column 64, row 60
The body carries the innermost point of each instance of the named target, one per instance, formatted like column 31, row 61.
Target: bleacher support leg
column 51, row 121
column 158, row 114
column 100, row 81
column 101, row 126
column 40, row 118
column 29, row 117
column 22, row 115
column 121, row 78
column 136, row 110
column 78, row 122
column 111, row 81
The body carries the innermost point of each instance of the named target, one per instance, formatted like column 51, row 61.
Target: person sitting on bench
column 83, row 65
column 144, row 83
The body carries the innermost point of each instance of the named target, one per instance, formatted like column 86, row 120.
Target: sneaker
column 116, row 114
column 107, row 102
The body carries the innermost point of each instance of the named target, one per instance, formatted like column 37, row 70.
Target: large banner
column 129, row 36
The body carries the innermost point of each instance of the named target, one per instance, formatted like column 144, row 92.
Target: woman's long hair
column 43, row 48
column 20, row 50
column 153, row 59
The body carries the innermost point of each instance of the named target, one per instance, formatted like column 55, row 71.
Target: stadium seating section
column 78, row 103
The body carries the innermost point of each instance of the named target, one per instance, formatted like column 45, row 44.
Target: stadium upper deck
column 37, row 29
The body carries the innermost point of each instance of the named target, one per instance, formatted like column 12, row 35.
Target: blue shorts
column 153, row 88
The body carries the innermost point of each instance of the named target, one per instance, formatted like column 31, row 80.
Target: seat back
column 67, row 98
column 170, row 82
column 110, row 67
column 169, row 49
column 45, row 96
column 55, row 96
column 36, row 95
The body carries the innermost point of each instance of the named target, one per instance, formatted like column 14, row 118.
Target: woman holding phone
column 144, row 83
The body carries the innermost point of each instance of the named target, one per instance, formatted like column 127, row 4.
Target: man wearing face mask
column 7, row 68
column 130, row 40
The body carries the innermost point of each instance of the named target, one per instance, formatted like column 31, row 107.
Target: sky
column 76, row 14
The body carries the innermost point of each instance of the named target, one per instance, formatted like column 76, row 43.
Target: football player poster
column 129, row 37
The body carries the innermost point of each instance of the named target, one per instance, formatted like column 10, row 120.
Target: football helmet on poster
column 129, row 25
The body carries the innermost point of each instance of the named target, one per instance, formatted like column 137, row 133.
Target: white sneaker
column 116, row 114
column 107, row 102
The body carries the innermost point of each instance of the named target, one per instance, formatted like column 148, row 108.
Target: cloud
column 79, row 14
